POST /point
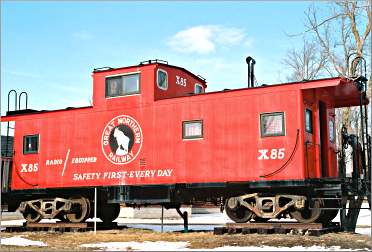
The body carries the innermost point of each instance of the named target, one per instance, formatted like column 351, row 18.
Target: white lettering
column 86, row 176
column 271, row 154
column 263, row 154
column 181, row 81
column 24, row 168
column 83, row 160
column 30, row 167
column 53, row 162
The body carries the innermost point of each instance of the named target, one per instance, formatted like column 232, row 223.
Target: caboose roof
column 344, row 91
column 108, row 69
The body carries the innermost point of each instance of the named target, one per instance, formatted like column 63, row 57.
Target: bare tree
column 306, row 63
column 344, row 31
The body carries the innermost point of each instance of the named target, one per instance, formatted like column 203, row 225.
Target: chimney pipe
column 250, row 62
column 252, row 72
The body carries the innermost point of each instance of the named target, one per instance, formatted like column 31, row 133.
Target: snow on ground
column 173, row 228
column 19, row 241
column 143, row 246
column 182, row 246
column 270, row 248
column 363, row 231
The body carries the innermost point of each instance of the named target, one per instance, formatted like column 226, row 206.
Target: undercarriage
column 262, row 208
column 74, row 209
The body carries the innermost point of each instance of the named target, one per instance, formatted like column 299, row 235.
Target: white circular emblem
column 122, row 140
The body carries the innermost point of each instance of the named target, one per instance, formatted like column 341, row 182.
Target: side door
column 332, row 148
column 323, row 140
column 310, row 143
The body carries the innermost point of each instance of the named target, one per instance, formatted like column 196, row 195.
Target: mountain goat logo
column 122, row 140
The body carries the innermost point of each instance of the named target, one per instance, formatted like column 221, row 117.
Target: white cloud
column 212, row 63
column 83, row 35
column 204, row 39
column 23, row 74
column 248, row 42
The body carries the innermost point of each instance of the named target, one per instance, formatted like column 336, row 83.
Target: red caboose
column 153, row 136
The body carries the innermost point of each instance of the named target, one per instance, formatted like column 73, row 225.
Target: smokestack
column 250, row 62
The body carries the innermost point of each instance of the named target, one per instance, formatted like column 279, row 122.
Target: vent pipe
column 250, row 62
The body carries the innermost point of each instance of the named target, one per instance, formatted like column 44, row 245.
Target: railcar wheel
column 307, row 215
column 31, row 215
column 108, row 212
column 79, row 210
column 237, row 212
column 328, row 215
column 89, row 207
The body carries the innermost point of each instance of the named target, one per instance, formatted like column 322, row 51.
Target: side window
column 122, row 85
column 308, row 121
column 192, row 129
column 272, row 124
column 162, row 79
column 198, row 89
column 30, row 144
column 331, row 131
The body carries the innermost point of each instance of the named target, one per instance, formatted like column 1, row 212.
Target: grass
column 197, row 240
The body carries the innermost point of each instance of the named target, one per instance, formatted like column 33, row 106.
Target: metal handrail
column 20, row 98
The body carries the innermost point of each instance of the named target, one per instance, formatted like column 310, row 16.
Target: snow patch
column 148, row 246
column 363, row 231
column 270, row 248
column 177, row 246
column 19, row 241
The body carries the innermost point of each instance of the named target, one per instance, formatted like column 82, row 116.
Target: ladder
column 7, row 155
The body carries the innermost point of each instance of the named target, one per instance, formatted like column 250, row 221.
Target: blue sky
column 49, row 49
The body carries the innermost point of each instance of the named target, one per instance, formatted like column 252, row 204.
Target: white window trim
column 121, row 96
column 197, row 84
column 157, row 78
column 192, row 139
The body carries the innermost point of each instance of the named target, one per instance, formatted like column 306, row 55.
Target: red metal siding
column 228, row 151
column 232, row 148
column 180, row 83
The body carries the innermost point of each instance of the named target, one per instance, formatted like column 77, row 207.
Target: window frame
column 123, row 75
column 311, row 131
column 200, row 85
column 262, row 115
column 157, row 78
column 24, row 144
column 184, row 123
